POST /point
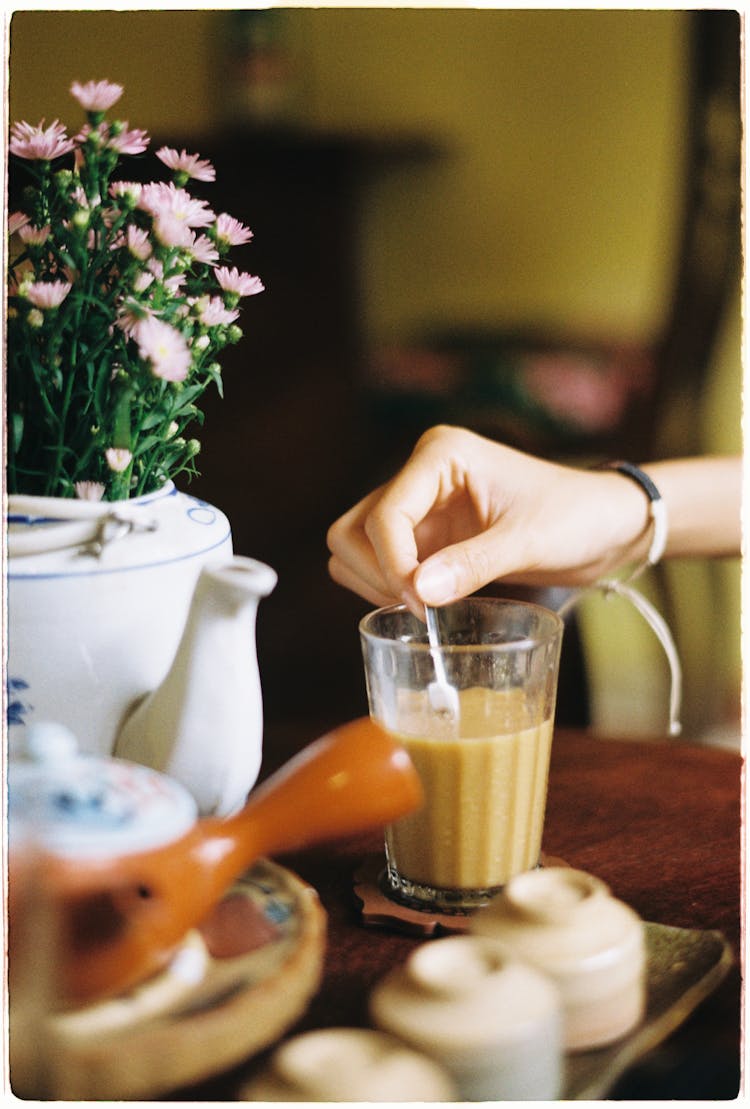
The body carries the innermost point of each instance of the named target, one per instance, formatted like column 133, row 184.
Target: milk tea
column 485, row 787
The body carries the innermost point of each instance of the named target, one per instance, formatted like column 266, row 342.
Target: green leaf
column 16, row 430
column 147, row 444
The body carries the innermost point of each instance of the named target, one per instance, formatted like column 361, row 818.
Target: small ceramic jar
column 494, row 1023
column 349, row 1064
column 567, row 924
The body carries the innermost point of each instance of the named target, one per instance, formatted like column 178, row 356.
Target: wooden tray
column 235, row 986
column 684, row 966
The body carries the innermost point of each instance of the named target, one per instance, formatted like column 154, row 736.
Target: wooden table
column 659, row 821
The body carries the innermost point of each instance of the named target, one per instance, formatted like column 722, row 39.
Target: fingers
column 353, row 561
column 374, row 544
column 342, row 574
column 459, row 570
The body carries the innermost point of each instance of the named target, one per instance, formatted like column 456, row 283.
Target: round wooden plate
column 234, row 987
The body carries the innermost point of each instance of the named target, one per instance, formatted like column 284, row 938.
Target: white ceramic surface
column 567, row 924
column 95, row 626
column 87, row 806
column 492, row 1022
column 349, row 1064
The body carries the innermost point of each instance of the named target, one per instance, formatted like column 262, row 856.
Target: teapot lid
column 80, row 805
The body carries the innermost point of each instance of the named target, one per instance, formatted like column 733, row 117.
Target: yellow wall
column 557, row 201
column 164, row 59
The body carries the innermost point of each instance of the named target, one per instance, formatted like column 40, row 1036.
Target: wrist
column 626, row 509
column 657, row 508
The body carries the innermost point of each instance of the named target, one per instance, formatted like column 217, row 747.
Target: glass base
column 416, row 895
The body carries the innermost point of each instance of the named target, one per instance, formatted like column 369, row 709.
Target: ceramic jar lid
column 83, row 805
column 492, row 1021
column 349, row 1064
column 567, row 924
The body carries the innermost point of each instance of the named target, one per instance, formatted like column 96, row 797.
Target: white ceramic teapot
column 133, row 624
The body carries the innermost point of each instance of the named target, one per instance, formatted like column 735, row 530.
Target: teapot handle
column 351, row 780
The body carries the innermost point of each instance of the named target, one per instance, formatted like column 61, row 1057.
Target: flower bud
column 234, row 333
column 35, row 318
column 118, row 458
column 194, row 447
column 81, row 218
column 64, row 179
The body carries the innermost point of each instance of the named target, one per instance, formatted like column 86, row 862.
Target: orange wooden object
column 123, row 917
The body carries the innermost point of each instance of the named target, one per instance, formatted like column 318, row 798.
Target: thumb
column 457, row 571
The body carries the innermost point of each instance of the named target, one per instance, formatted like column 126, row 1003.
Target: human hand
column 465, row 511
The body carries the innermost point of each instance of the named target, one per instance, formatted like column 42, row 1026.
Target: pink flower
column 96, row 96
column 129, row 142
column 131, row 190
column 243, row 284
column 160, row 199
column 34, row 236
column 118, row 139
column 230, row 231
column 173, row 283
column 89, row 490
column 212, row 311
column 130, row 316
column 170, row 231
column 17, row 220
column 142, row 281
column 190, row 164
column 39, row 143
column 138, row 243
column 202, row 249
column 164, row 347
column 48, row 294
column 118, row 458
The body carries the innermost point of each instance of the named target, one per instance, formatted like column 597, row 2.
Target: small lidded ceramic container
column 567, row 924
column 349, row 1064
column 494, row 1023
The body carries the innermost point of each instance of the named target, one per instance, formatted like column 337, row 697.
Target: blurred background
column 527, row 222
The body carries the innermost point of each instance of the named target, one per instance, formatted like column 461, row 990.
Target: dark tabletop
column 659, row 821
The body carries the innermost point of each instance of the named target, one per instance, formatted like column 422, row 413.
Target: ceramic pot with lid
column 491, row 1021
column 567, row 924
column 349, row 1064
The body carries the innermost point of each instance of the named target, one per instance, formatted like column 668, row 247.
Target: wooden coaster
column 379, row 910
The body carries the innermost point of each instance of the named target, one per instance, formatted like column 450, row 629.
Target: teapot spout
column 203, row 726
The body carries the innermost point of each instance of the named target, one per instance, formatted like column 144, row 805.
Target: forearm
column 703, row 498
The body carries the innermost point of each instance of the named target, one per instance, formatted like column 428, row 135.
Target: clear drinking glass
column 484, row 770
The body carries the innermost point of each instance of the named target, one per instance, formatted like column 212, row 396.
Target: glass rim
column 521, row 643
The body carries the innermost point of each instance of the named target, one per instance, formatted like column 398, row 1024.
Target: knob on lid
column 84, row 805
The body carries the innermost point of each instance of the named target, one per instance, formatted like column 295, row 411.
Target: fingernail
column 435, row 583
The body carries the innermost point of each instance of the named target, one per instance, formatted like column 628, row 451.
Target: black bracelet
column 657, row 507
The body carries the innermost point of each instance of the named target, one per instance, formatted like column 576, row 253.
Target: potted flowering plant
column 120, row 298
